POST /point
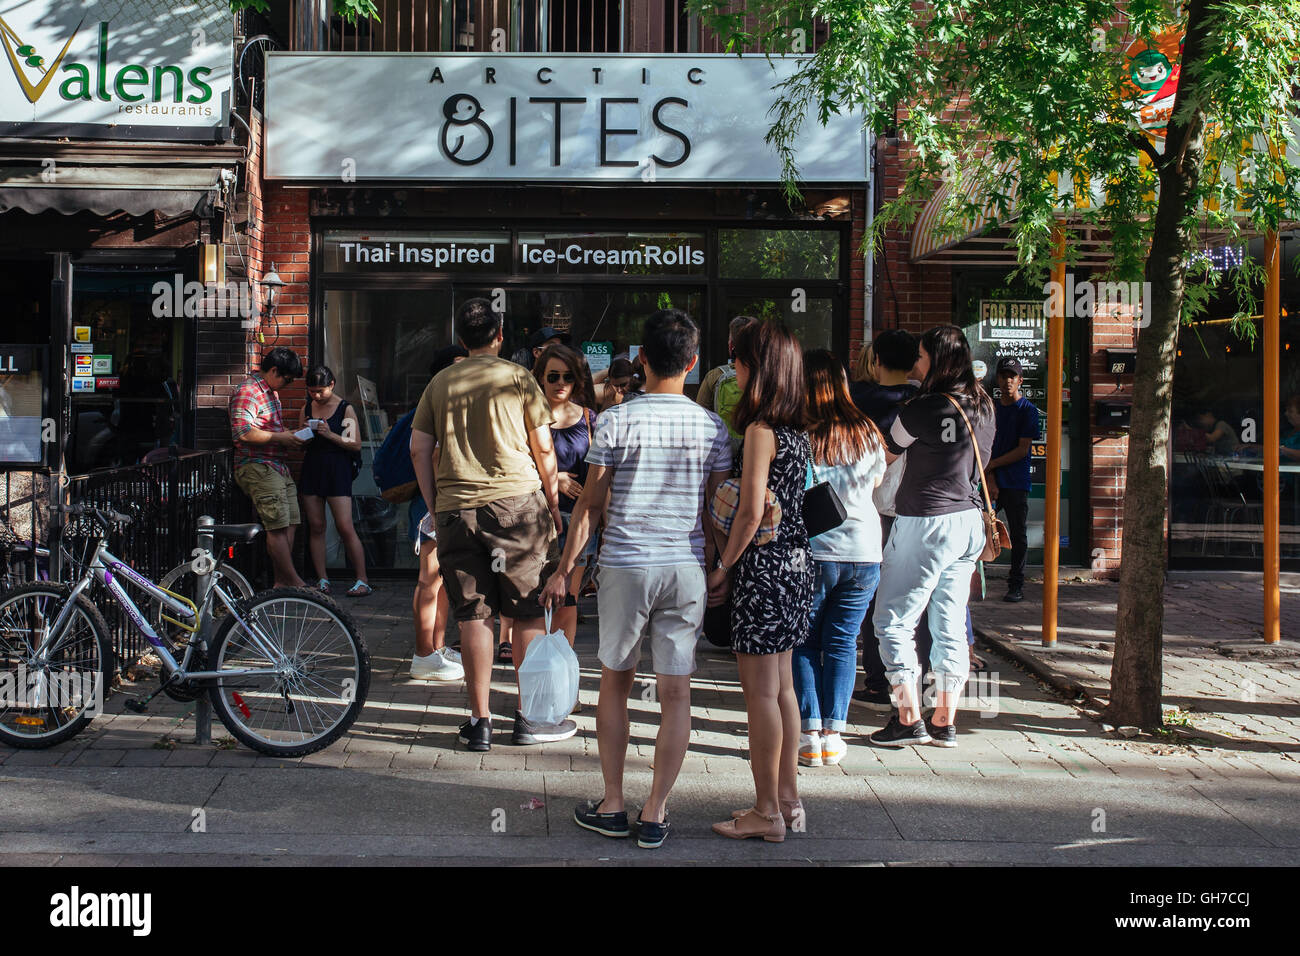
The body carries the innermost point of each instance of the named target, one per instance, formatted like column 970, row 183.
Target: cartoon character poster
column 1154, row 69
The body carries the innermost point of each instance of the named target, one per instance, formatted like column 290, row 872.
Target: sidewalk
column 1238, row 693
column 1029, row 782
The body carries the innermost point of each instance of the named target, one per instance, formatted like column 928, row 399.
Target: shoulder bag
column 822, row 508
column 995, row 531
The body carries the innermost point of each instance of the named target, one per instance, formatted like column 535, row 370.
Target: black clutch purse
column 822, row 508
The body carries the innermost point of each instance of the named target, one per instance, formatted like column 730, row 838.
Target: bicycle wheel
column 44, row 702
column 317, row 672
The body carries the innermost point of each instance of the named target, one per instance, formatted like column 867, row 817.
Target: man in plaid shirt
column 260, row 444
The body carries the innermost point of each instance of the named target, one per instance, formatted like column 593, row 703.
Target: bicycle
column 289, row 671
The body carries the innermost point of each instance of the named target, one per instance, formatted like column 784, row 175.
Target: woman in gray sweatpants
column 936, row 538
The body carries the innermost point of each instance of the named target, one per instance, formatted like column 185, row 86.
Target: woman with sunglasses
column 566, row 383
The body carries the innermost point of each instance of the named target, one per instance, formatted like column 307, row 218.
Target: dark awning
column 135, row 190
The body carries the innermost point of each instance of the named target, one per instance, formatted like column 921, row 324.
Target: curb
column 1071, row 689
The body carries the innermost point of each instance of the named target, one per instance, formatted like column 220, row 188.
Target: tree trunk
column 1136, row 671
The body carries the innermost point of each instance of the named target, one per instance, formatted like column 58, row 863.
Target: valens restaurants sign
column 539, row 117
column 115, row 63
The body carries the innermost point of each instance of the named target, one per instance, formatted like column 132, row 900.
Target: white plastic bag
column 885, row 493
column 548, row 678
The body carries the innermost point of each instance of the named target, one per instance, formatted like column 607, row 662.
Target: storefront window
column 1217, row 472
column 811, row 319
column 778, row 254
column 389, row 297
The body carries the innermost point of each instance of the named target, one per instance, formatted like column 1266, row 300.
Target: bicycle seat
column 239, row 532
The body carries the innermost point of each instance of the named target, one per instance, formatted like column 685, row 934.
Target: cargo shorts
column 495, row 559
column 274, row 496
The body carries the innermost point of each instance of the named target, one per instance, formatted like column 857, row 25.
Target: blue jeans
column 825, row 665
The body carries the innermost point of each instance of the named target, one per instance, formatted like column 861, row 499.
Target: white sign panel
column 540, row 118
column 97, row 64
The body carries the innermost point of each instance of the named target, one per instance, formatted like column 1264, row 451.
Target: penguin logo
column 463, row 110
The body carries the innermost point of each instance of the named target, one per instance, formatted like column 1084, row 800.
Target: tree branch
column 1144, row 144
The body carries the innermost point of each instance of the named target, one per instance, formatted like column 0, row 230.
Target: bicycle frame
column 104, row 566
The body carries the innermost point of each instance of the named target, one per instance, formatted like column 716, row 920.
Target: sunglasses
column 553, row 377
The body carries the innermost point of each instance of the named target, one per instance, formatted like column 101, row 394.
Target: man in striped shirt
column 261, row 442
column 658, row 456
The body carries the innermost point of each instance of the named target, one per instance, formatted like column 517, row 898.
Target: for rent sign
column 90, row 67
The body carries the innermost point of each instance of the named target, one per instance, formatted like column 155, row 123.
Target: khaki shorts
column 274, row 496
column 496, row 559
column 665, row 603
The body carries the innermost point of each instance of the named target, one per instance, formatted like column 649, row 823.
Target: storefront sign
column 599, row 355
column 83, row 383
column 540, row 118
column 599, row 253
column 116, row 64
column 109, row 382
column 102, row 364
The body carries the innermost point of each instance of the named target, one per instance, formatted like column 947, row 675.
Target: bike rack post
column 202, row 707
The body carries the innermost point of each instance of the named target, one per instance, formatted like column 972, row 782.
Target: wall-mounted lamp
column 272, row 284
column 212, row 261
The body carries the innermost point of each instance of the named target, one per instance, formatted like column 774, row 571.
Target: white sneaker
column 833, row 748
column 810, row 749
column 449, row 654
column 435, row 667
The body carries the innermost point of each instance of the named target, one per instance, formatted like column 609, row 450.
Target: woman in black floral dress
column 772, row 586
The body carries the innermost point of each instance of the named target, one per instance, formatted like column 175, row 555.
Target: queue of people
column 524, row 470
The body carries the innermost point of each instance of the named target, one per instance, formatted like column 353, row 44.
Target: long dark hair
column 776, row 393
column 584, row 391
column 839, row 432
column 951, row 371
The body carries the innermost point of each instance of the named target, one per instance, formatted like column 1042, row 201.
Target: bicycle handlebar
column 108, row 516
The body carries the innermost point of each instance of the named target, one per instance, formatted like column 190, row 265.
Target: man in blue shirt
column 1007, row 473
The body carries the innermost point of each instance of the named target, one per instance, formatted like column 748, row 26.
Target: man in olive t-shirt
column 496, row 510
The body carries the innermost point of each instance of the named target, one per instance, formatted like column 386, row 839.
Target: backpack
column 392, row 468
column 726, row 396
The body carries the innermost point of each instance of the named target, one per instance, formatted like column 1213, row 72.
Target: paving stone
column 369, row 760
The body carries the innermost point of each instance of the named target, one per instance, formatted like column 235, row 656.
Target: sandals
column 323, row 585
column 359, row 589
column 505, row 653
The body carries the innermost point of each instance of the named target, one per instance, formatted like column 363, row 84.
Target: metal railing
column 525, row 26
column 164, row 498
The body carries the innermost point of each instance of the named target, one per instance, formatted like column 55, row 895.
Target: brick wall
column 277, row 233
column 908, row 295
